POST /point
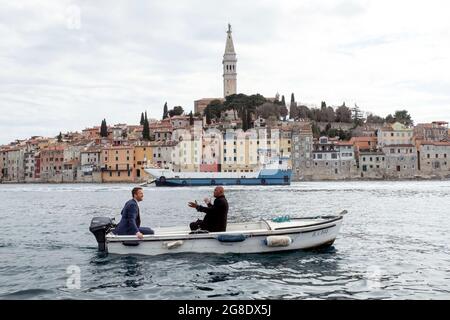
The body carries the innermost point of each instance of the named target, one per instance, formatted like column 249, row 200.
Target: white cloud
column 59, row 73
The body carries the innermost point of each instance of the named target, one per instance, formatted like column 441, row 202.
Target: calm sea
column 394, row 244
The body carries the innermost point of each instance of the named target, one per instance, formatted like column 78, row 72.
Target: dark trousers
column 146, row 230
column 196, row 225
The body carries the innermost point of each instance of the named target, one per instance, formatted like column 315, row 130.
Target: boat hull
column 168, row 178
column 221, row 181
column 303, row 238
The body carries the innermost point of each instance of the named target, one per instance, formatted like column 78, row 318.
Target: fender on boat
column 231, row 237
column 172, row 244
column 278, row 241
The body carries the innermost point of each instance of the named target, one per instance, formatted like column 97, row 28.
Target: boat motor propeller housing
column 100, row 226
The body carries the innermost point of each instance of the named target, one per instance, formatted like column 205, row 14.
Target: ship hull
column 222, row 181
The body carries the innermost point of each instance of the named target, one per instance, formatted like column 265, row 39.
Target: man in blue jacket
column 130, row 223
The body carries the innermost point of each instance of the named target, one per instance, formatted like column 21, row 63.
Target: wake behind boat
column 252, row 237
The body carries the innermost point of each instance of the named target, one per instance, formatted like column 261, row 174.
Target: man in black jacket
column 215, row 219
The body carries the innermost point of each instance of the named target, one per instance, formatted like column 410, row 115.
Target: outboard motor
column 100, row 226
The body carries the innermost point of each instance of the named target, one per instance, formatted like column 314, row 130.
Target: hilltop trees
column 103, row 129
column 343, row 114
column 371, row 118
column 357, row 117
column 404, row 117
column 176, row 111
column 165, row 111
column 142, row 119
column 293, row 110
column 146, row 129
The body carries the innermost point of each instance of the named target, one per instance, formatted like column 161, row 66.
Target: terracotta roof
column 436, row 143
column 363, row 139
column 371, row 153
column 400, row 146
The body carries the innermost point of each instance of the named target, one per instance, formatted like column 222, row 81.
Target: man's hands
column 193, row 204
column 139, row 235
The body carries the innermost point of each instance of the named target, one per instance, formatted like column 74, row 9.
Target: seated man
column 215, row 219
column 131, row 220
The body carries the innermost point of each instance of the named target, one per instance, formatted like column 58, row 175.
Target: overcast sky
column 66, row 65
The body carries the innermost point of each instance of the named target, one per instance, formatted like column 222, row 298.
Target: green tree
column 191, row 119
column 357, row 117
column 60, row 137
column 404, row 117
column 374, row 119
column 176, row 111
column 284, row 112
column 244, row 106
column 207, row 113
column 142, row 119
column 303, row 112
column 214, row 109
column 390, row 118
column 103, row 129
column 293, row 110
column 146, row 129
column 316, row 130
column 165, row 111
column 343, row 114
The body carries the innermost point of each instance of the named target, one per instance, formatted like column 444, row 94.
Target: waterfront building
column 434, row 158
column 333, row 160
column 187, row 154
column 162, row 153
column 3, row 161
column 51, row 163
column 117, row 163
column 372, row 164
column 14, row 164
column 90, row 165
column 143, row 156
column 302, row 146
column 286, row 144
column 395, row 134
column 435, row 131
column 401, row 160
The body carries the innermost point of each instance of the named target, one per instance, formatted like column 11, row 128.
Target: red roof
column 436, row 143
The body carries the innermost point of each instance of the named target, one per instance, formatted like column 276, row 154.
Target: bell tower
column 229, row 66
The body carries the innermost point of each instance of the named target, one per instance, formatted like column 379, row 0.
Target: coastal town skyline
column 58, row 77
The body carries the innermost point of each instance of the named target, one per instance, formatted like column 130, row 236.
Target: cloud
column 66, row 65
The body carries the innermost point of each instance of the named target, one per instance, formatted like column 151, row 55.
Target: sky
column 67, row 64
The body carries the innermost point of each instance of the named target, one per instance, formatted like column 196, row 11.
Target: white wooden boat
column 252, row 237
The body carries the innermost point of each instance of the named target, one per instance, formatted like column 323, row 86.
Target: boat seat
column 198, row 231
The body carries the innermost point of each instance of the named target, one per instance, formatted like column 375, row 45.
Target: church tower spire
column 229, row 66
